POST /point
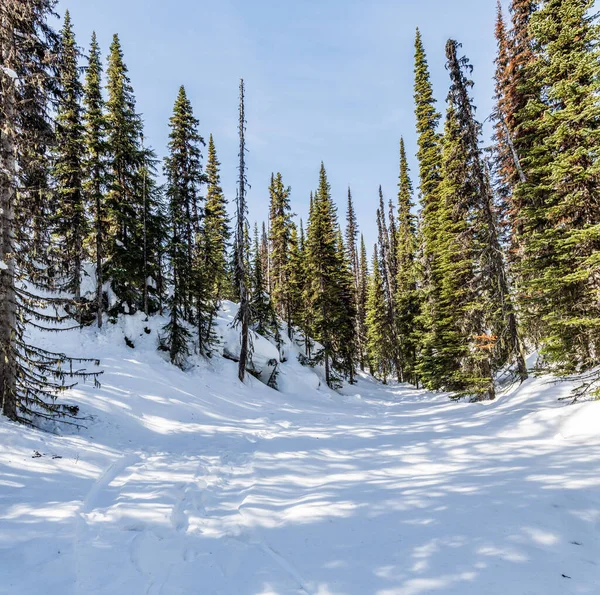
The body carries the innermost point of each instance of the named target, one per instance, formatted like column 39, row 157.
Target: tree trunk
column 99, row 281
column 8, row 364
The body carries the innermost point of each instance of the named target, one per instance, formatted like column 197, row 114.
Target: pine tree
column 296, row 279
column 68, row 168
column 560, row 216
column 95, row 163
column 513, row 90
column 430, row 165
column 387, row 260
column 407, row 296
column 266, row 256
column 124, row 201
column 280, row 218
column 215, row 236
column 184, row 176
column 31, row 378
column 361, row 307
column 379, row 342
column 351, row 237
column 323, row 265
column 474, row 274
column 306, row 314
column 506, row 160
column 353, row 260
column 521, row 110
column 344, row 317
column 262, row 313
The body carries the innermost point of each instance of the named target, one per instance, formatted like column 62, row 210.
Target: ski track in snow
column 190, row 483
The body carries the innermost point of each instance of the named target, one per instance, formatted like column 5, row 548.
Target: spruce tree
column 430, row 165
column 31, row 378
column 266, row 256
column 280, row 217
column 560, row 214
column 512, row 133
column 323, row 266
column 353, row 259
column 306, row 315
column 184, row 176
column 474, row 276
column 262, row 313
column 361, row 303
column 352, row 235
column 379, row 341
column 215, row 236
column 344, row 318
column 68, row 168
column 387, row 260
column 296, row 279
column 95, row 152
column 407, row 296
column 124, row 200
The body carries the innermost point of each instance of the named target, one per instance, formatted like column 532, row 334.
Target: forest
column 490, row 251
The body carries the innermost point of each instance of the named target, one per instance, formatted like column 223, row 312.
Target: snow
column 9, row 72
column 190, row 482
column 3, row 266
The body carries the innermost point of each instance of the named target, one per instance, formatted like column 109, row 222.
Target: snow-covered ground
column 191, row 483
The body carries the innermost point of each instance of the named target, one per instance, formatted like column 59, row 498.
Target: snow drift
column 190, row 482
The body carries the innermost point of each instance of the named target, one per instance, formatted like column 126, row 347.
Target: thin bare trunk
column 8, row 364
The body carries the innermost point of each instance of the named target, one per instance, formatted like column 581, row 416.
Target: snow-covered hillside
column 191, row 483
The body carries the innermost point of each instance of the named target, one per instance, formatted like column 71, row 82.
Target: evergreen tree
column 95, row 163
column 184, row 175
column 68, row 167
column 280, row 222
column 430, row 164
column 323, row 266
column 560, row 215
column 514, row 88
column 379, row 342
column 474, row 274
column 353, row 260
column 296, row 279
column 361, row 306
column 266, row 256
column 351, row 237
column 407, row 297
column 304, row 274
column 262, row 313
column 124, row 200
column 215, row 236
column 344, row 319
column 387, row 244
column 31, row 378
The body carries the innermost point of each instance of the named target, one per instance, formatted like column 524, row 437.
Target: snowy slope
column 193, row 483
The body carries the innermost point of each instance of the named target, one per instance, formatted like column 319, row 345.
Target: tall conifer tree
column 96, row 179
column 407, row 298
column 430, row 165
column 322, row 262
column 31, row 378
column 280, row 217
column 215, row 235
column 124, row 200
column 68, row 167
column 184, row 176
column 379, row 341
column 560, row 217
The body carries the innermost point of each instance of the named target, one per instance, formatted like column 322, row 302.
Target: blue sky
column 326, row 80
